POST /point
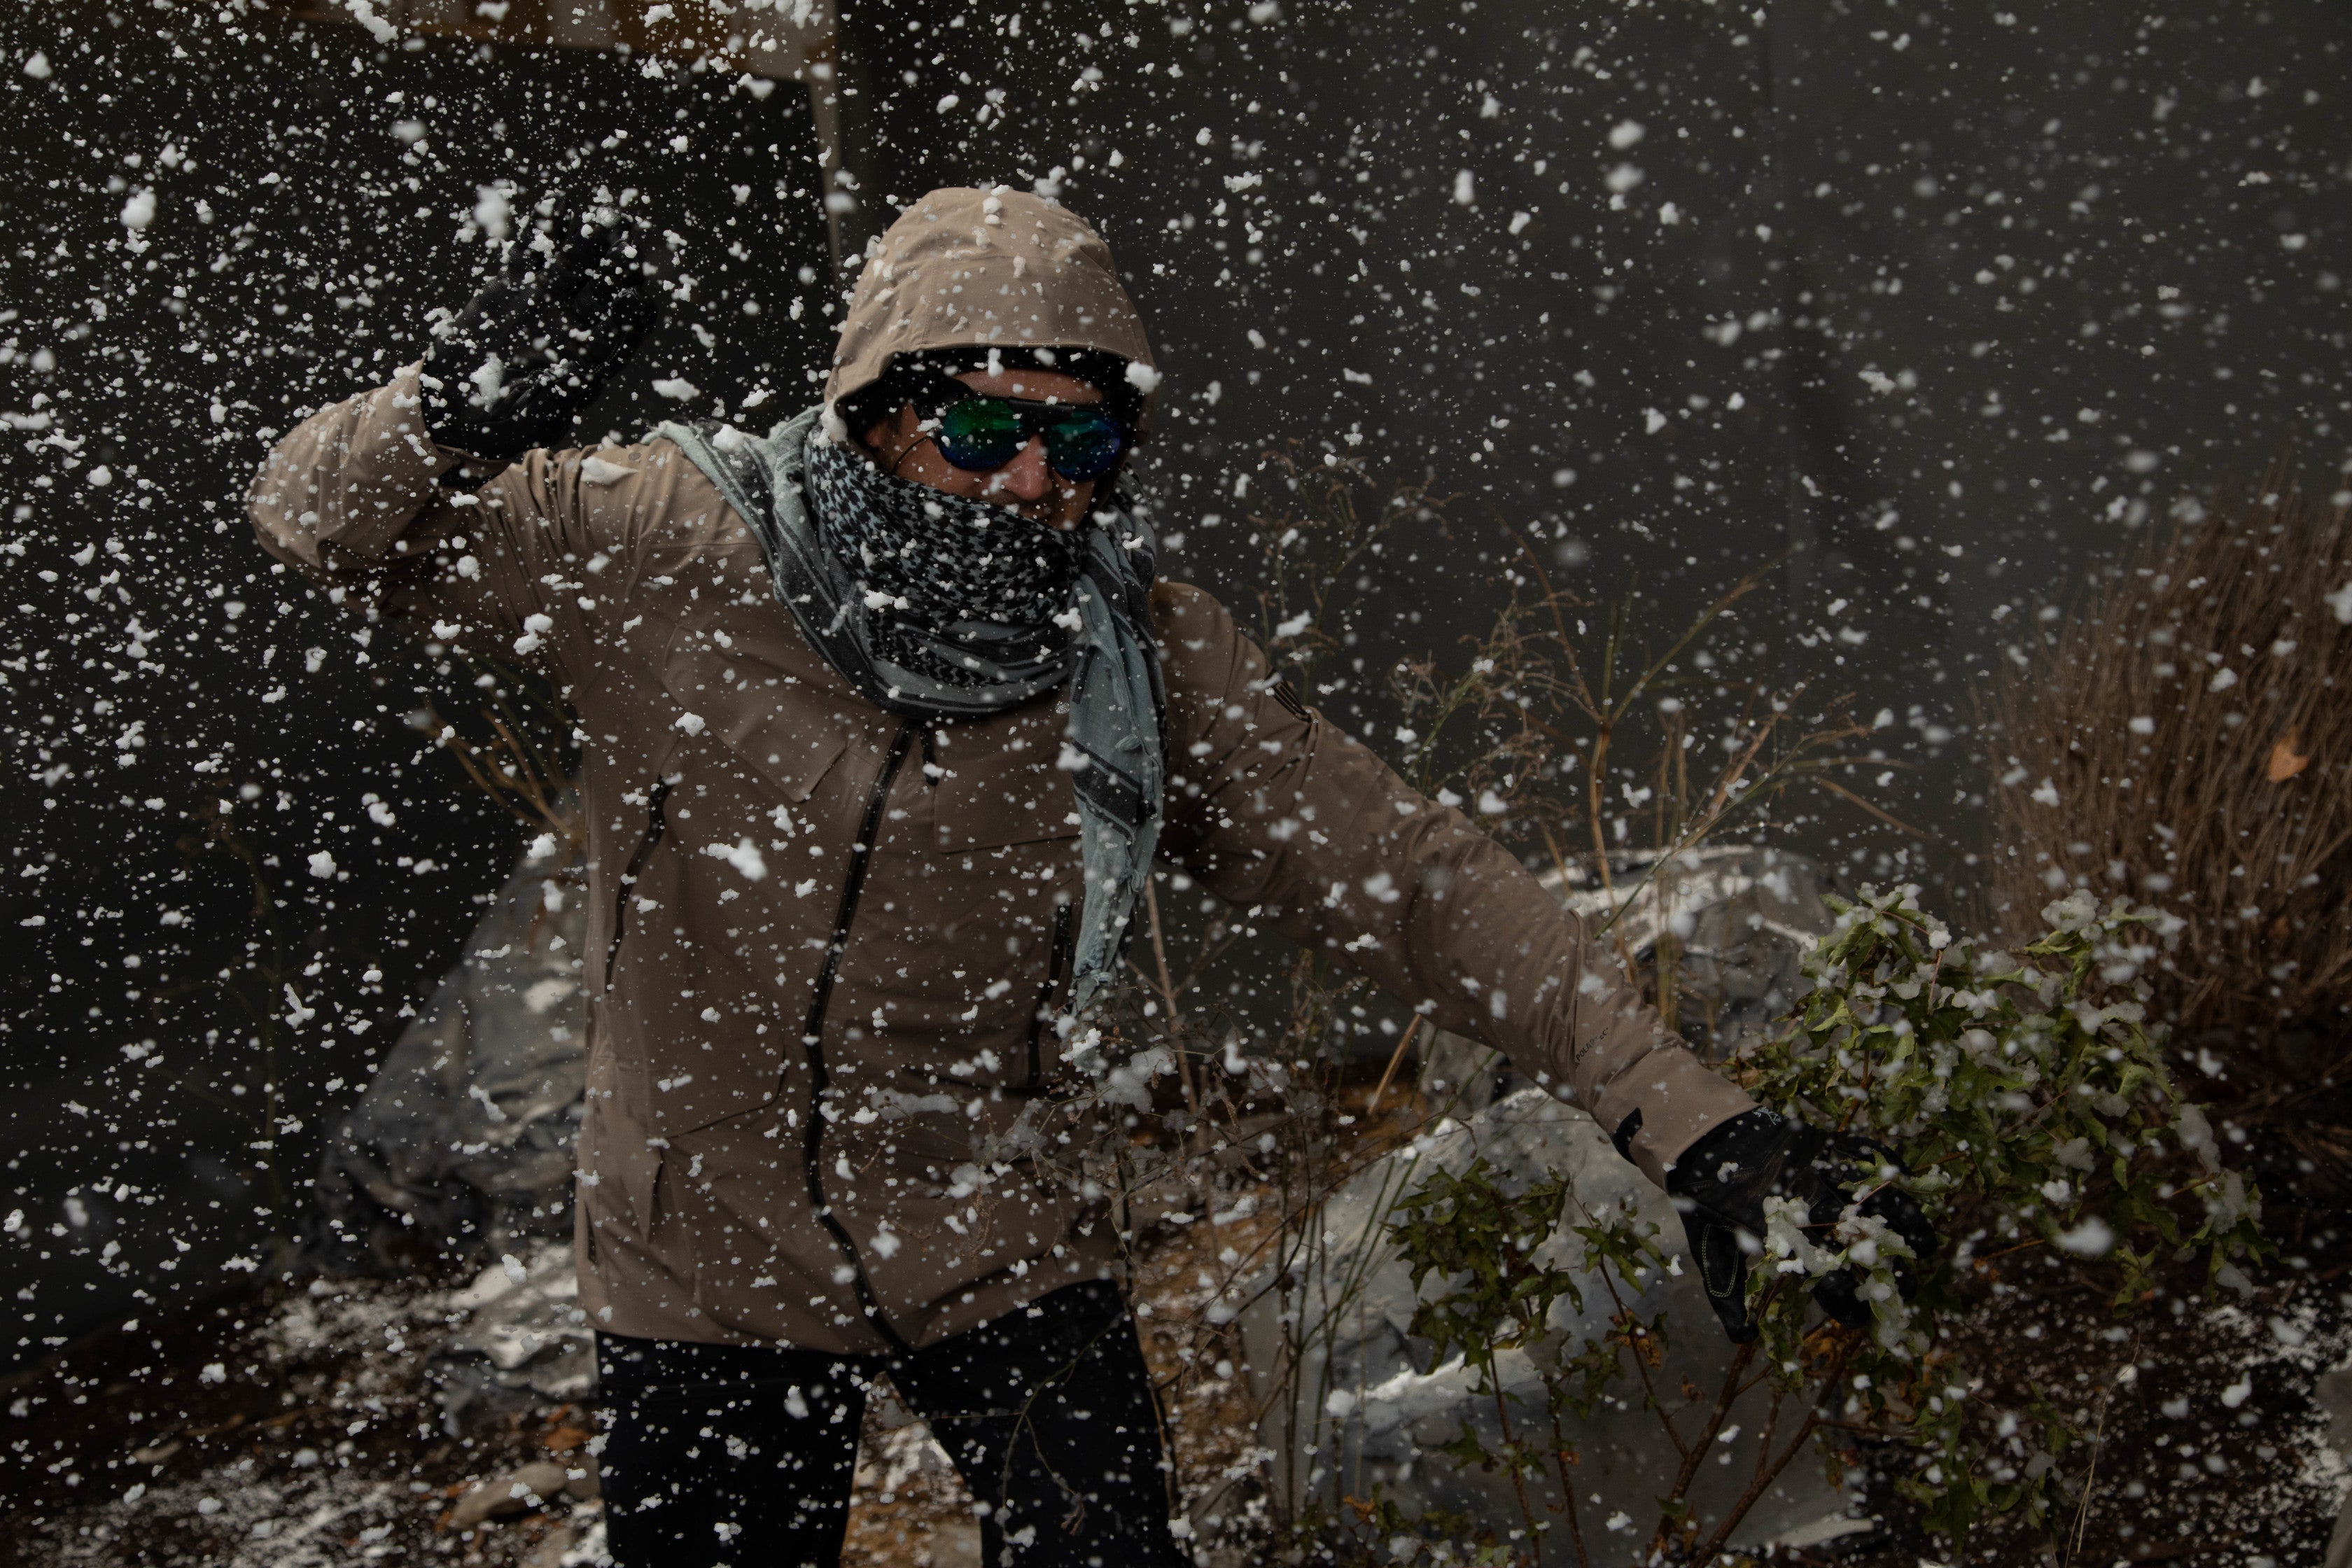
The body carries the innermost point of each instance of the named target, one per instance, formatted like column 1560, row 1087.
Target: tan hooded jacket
column 823, row 941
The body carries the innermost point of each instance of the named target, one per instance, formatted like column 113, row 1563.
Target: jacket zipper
column 656, row 824
column 1061, row 956
column 812, row 1033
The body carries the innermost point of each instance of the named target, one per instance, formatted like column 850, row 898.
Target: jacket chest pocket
column 995, row 919
column 715, row 903
column 774, row 724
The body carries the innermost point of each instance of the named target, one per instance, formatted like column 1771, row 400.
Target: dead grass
column 2184, row 737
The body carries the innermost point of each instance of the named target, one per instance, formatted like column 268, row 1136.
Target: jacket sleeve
column 514, row 569
column 1271, row 806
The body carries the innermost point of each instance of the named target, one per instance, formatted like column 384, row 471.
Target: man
column 885, row 720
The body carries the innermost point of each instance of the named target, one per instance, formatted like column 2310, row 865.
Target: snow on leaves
column 2027, row 1087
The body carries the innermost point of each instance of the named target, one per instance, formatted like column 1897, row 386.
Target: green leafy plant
column 2023, row 1094
column 1466, row 1228
column 1489, row 1244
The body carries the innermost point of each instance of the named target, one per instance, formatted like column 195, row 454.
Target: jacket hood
column 973, row 268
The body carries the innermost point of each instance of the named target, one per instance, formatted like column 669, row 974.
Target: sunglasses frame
column 1034, row 416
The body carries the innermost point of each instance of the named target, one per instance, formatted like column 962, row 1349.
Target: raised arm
column 430, row 496
column 353, row 499
column 1272, row 805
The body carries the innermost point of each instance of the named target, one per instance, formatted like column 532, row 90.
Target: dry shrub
column 2186, row 738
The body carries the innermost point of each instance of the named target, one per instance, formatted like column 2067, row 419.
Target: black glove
column 531, row 351
column 1720, row 1185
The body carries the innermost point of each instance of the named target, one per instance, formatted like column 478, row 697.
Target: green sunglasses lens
column 1083, row 446
column 979, row 433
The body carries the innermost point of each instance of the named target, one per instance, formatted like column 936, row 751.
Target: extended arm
column 1273, row 806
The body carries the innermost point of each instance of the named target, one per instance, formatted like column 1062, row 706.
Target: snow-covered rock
column 1367, row 1408
column 517, row 1343
column 464, row 1139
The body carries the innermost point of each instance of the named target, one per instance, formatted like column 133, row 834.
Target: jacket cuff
column 390, row 471
column 1679, row 1106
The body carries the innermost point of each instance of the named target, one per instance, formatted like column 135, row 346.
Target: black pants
column 740, row 1456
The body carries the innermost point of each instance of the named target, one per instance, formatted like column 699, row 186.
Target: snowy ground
column 311, row 1425
column 2211, row 1447
column 306, row 1425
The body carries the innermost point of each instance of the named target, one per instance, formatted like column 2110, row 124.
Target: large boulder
column 1354, row 1403
column 1352, row 1399
column 462, row 1144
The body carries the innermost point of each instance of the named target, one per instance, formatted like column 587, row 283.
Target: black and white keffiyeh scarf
column 962, row 591
column 938, row 607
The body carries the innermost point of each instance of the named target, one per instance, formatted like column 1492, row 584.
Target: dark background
column 331, row 231
column 1994, row 294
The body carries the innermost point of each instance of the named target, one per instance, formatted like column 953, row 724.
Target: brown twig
column 1168, row 996
column 1766, row 1474
column 1395, row 1056
column 1518, row 1479
column 2091, row 1470
column 1629, row 1323
column 1890, row 819
column 1723, row 1402
column 1562, row 1457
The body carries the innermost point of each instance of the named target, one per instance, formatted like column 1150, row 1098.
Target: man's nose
column 1026, row 477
